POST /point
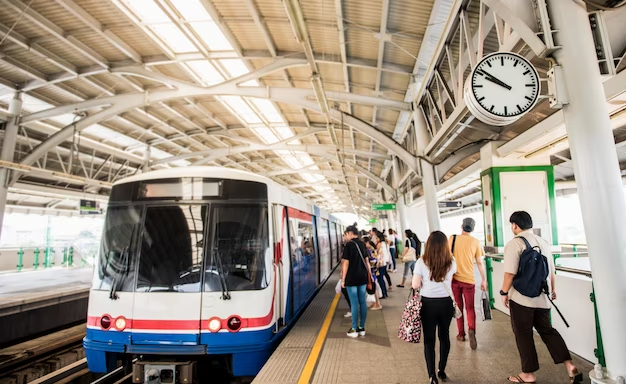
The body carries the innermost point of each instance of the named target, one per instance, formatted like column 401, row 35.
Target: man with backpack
column 525, row 291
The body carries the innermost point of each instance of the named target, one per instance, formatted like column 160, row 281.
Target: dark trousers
column 436, row 313
column 523, row 319
column 382, row 271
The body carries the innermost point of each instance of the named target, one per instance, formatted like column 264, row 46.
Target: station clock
column 502, row 88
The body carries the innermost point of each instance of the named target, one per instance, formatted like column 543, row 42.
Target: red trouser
column 464, row 297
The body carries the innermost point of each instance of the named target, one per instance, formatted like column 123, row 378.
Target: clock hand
column 493, row 79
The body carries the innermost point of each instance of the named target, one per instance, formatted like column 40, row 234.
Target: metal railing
column 35, row 258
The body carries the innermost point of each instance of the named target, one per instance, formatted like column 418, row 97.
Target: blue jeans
column 392, row 251
column 358, row 306
column 408, row 266
column 382, row 271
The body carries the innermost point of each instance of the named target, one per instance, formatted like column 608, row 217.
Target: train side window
column 240, row 258
column 116, row 260
column 172, row 248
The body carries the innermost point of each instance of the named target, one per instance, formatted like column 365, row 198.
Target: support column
column 8, row 150
column 146, row 159
column 428, row 172
column 597, row 173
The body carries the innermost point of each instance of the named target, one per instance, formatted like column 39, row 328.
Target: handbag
column 370, row 280
column 410, row 329
column 457, row 311
column 410, row 255
column 486, row 306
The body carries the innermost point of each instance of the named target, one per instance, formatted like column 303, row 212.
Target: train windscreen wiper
column 222, row 276
column 124, row 261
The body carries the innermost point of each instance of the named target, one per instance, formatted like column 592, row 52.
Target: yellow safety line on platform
column 307, row 372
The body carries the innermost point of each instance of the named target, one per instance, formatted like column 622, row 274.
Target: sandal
column 400, row 286
column 577, row 378
column 519, row 380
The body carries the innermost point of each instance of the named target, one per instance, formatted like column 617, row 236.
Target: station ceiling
column 299, row 91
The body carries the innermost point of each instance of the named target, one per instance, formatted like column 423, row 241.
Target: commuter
column 354, row 277
column 412, row 242
column 466, row 250
column 392, row 240
column 344, row 291
column 382, row 254
column 532, row 309
column 373, row 261
column 433, row 277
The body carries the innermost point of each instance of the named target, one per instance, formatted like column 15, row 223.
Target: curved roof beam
column 126, row 102
column 456, row 158
column 338, row 175
column 214, row 154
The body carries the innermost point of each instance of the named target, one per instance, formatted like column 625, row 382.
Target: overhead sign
column 372, row 221
column 451, row 204
column 89, row 207
column 382, row 217
column 383, row 207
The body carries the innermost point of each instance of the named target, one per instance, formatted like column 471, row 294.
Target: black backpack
column 533, row 272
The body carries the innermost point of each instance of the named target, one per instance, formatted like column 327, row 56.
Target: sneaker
column 361, row 331
column 472, row 337
column 348, row 315
column 352, row 333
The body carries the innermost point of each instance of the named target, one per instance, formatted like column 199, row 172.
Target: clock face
column 505, row 84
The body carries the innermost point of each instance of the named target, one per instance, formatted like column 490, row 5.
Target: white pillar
column 146, row 159
column 428, row 172
column 597, row 173
column 404, row 220
column 8, row 151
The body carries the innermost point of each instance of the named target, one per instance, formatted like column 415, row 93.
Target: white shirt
column 385, row 252
column 432, row 289
column 393, row 241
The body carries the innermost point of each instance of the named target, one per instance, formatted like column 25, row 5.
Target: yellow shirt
column 467, row 249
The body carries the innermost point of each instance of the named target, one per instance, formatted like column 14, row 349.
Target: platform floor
column 382, row 358
column 26, row 286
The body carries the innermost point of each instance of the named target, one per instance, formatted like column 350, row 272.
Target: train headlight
column 120, row 323
column 105, row 322
column 215, row 324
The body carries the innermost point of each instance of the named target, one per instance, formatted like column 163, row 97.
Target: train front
column 184, row 274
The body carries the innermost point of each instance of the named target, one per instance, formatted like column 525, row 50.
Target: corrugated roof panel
column 32, row 60
column 25, row 27
column 232, row 8
column 325, row 40
column 52, row 11
column 283, row 37
column 363, row 112
column 387, row 115
column 55, row 96
column 12, row 74
column 271, row 9
column 175, row 71
column 68, row 53
column 361, row 44
column 248, row 35
column 402, row 51
column 105, row 11
column 365, row 14
column 104, row 48
column 409, row 16
column 138, row 40
column 331, row 73
column 363, row 77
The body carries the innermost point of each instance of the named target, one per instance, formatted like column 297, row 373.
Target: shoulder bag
column 457, row 311
column 411, row 255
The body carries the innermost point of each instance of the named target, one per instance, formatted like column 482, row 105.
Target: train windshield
column 116, row 264
column 238, row 260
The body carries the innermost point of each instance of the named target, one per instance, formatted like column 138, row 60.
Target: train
column 203, row 262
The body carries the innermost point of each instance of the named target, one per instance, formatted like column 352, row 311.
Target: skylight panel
column 235, row 67
column 206, row 71
column 269, row 111
column 191, row 10
column 174, row 38
column 265, row 134
column 65, row 120
column 110, row 135
column 250, row 83
column 311, row 178
column 147, row 11
column 160, row 154
column 242, row 110
column 211, row 35
column 283, row 132
column 32, row 104
column 304, row 158
column 291, row 161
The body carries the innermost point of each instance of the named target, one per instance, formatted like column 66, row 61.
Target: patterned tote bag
column 410, row 329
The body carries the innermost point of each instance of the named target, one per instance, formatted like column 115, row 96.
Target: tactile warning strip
column 287, row 362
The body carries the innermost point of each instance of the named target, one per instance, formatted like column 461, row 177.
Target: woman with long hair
column 433, row 277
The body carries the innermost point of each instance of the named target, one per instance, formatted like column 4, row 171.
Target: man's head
column 520, row 221
column 468, row 225
column 351, row 232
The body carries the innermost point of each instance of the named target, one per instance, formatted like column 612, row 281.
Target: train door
column 167, row 293
column 303, row 257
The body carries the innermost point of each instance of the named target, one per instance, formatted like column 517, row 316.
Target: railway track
column 25, row 362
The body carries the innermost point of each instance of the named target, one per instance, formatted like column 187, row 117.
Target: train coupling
column 163, row 372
